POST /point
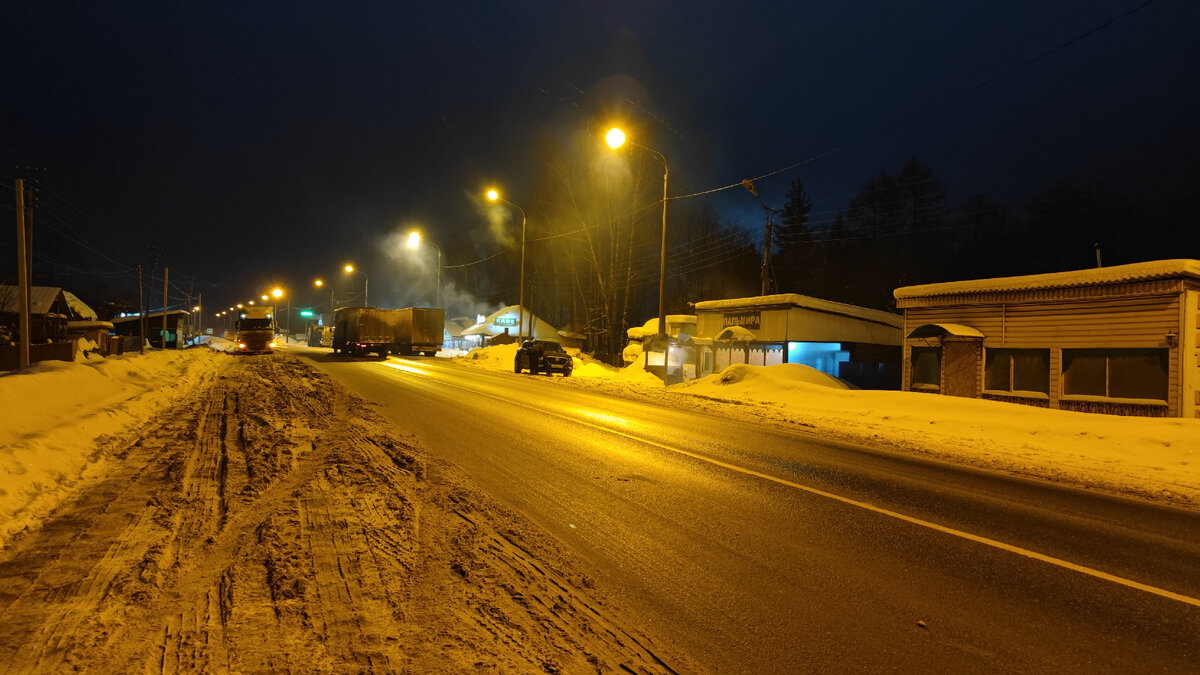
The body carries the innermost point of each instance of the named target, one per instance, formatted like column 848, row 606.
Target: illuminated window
column 1116, row 373
column 927, row 366
column 1016, row 370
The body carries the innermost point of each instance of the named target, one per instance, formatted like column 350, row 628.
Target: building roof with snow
column 783, row 300
column 1099, row 276
column 41, row 301
column 506, row 320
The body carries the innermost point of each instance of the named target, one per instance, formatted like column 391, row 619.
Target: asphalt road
column 761, row 550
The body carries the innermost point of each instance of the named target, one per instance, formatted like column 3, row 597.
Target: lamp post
column 616, row 138
column 278, row 293
column 366, row 301
column 318, row 283
column 414, row 240
column 495, row 196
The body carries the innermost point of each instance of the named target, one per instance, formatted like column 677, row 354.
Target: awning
column 940, row 329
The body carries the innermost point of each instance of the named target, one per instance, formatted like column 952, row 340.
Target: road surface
column 757, row 549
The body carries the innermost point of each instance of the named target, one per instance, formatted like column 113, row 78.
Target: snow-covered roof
column 804, row 301
column 79, row 307
column 41, row 298
column 1146, row 271
column 939, row 329
column 735, row 334
column 533, row 325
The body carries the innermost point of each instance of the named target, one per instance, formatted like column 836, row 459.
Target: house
column 176, row 321
column 56, row 318
column 1119, row 340
column 500, row 327
column 452, row 334
column 857, row 344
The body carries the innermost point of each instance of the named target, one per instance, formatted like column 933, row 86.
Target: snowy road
column 758, row 549
column 270, row 523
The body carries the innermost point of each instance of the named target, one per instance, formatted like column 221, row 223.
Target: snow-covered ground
column 58, row 416
column 1151, row 458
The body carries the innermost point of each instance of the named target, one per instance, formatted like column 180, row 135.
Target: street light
column 495, row 196
column 318, row 283
column 278, row 293
column 414, row 240
column 366, row 281
column 616, row 138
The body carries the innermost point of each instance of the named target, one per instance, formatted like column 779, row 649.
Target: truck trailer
column 420, row 330
column 363, row 330
column 366, row 330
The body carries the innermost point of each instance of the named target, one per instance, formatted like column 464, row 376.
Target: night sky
column 252, row 144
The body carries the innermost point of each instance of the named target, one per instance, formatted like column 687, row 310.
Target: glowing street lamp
column 366, row 281
column 616, row 138
column 495, row 196
column 414, row 241
column 318, row 283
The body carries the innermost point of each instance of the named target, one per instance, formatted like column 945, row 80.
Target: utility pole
column 29, row 200
column 166, row 271
column 23, row 276
column 766, row 266
column 141, row 315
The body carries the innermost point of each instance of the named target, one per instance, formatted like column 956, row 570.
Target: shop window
column 1017, row 370
column 1116, row 373
column 927, row 366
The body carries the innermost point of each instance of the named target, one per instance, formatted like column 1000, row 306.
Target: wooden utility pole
column 29, row 243
column 766, row 266
column 141, row 315
column 163, row 344
column 23, row 276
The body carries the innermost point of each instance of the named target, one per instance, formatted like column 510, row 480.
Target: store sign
column 747, row 320
column 505, row 321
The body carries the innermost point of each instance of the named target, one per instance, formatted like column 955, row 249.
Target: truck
column 362, row 330
column 366, row 330
column 420, row 329
column 255, row 330
column 320, row 336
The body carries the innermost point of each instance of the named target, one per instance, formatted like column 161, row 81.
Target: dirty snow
column 273, row 522
column 57, row 415
column 1152, row 458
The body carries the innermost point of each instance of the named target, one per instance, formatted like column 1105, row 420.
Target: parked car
column 543, row 356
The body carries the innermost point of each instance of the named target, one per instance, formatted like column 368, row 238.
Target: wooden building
column 1119, row 340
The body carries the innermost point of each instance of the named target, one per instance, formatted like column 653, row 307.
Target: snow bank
column 501, row 357
column 57, row 415
column 1148, row 457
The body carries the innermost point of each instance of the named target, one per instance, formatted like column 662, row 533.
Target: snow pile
column 1150, row 457
column 496, row 357
column 501, row 357
column 58, row 415
column 217, row 343
column 759, row 381
column 86, row 349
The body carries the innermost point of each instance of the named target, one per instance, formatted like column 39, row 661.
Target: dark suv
column 543, row 356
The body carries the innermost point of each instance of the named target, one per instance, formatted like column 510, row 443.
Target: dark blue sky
column 271, row 141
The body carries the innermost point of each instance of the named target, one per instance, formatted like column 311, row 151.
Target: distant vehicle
column 365, row 330
column 543, row 356
column 320, row 336
column 255, row 330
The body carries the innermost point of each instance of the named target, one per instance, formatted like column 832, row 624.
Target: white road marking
column 1059, row 562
